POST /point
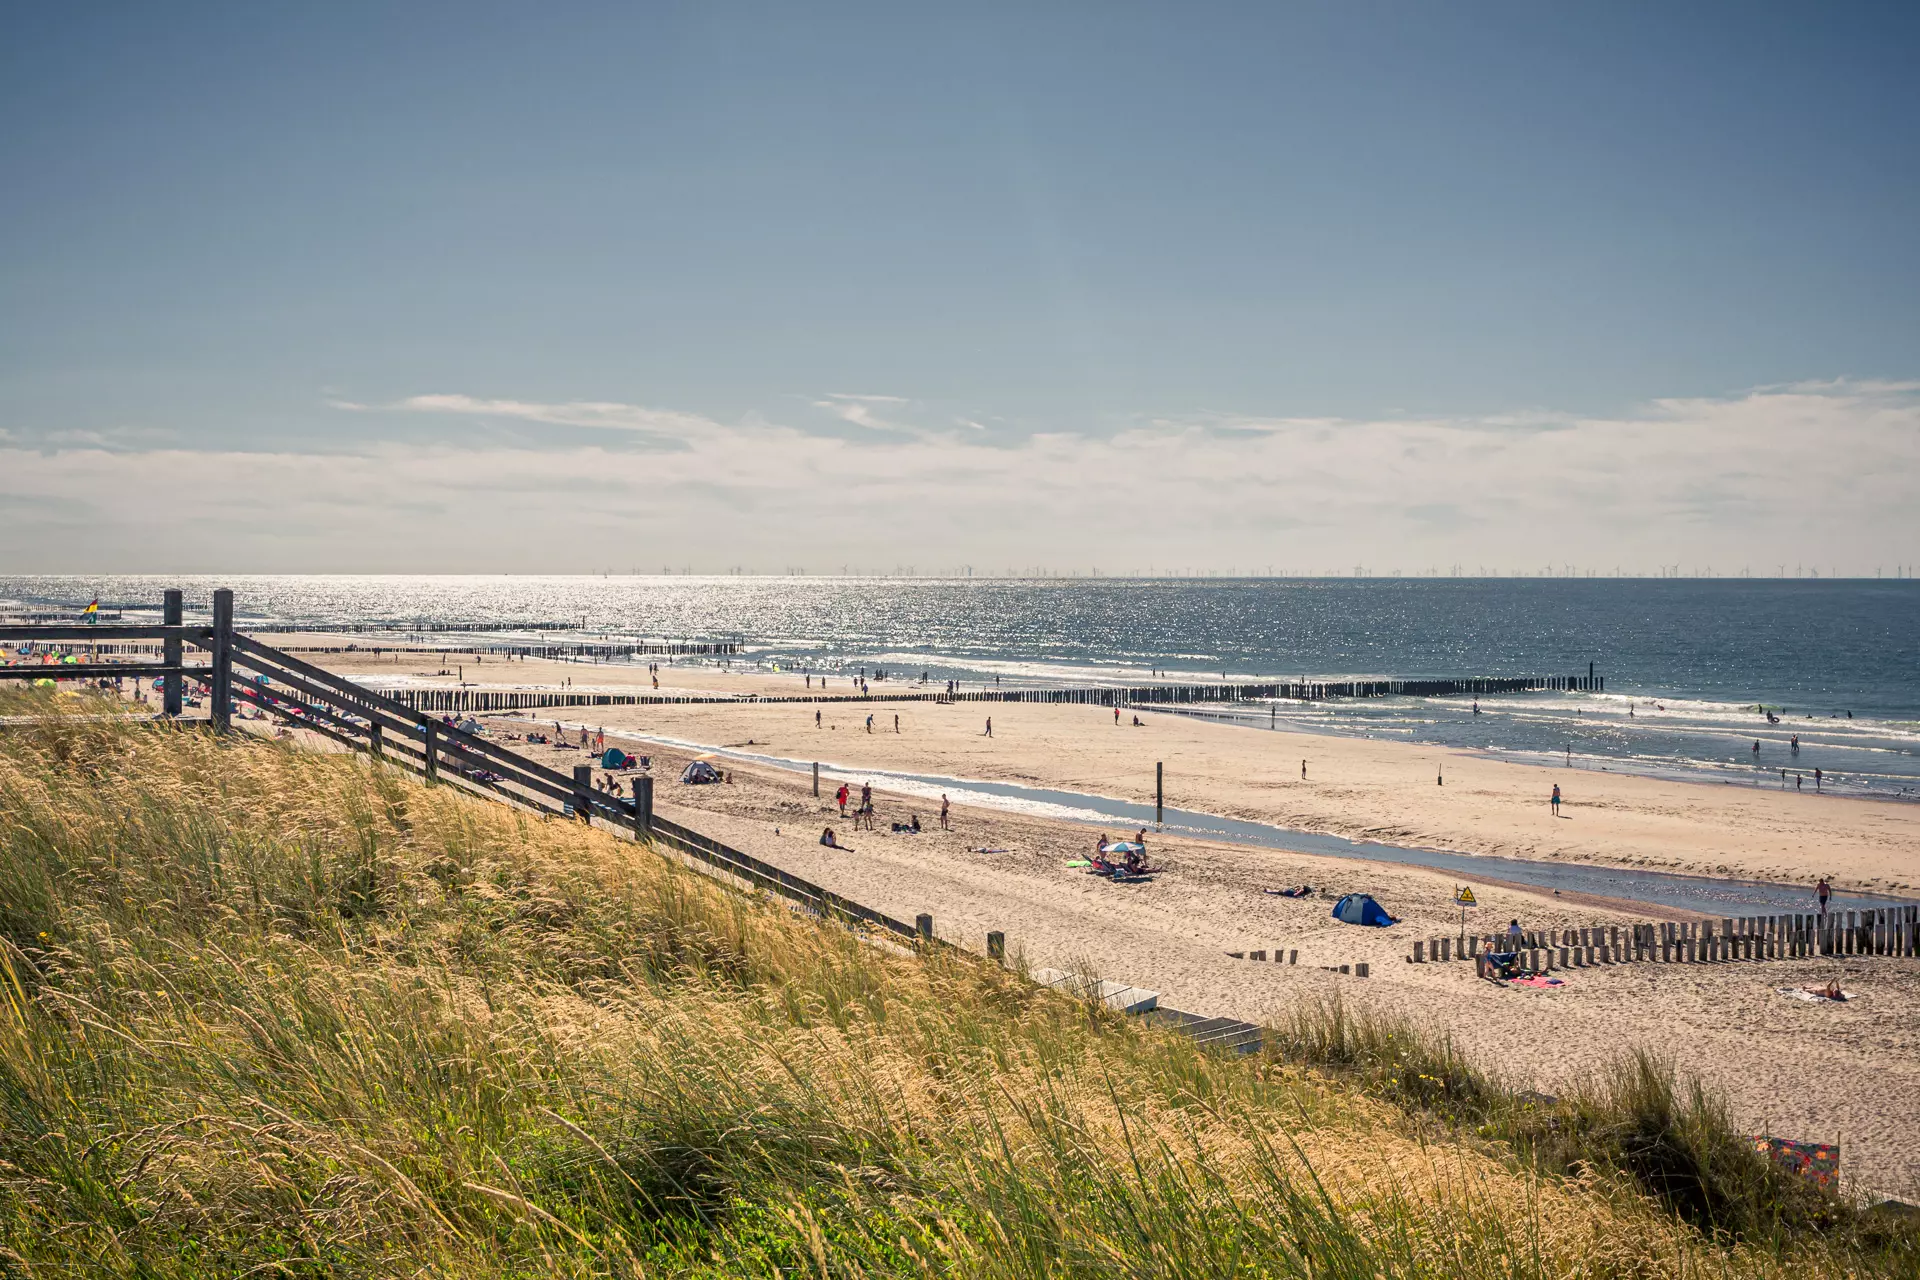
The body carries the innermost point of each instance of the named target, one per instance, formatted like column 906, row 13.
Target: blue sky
column 1037, row 246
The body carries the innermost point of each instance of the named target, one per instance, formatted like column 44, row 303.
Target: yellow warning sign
column 1464, row 896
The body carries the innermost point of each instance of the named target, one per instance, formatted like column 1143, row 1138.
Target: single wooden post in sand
column 1159, row 789
column 1446, row 949
column 1346, row 968
column 377, row 740
column 583, row 792
column 1362, row 970
column 1293, row 957
column 172, row 653
column 997, row 946
column 816, row 779
column 923, row 926
column 1533, row 960
column 1419, row 952
column 1256, row 955
column 428, row 741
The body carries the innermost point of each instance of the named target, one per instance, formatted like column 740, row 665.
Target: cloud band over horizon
column 1814, row 473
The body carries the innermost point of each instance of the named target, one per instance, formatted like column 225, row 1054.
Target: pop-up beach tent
column 615, row 758
column 700, row 771
column 1358, row 908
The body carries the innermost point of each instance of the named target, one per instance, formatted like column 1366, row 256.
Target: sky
column 1127, row 288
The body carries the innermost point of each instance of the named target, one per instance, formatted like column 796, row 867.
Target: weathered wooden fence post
column 583, row 792
column 429, row 740
column 172, row 653
column 816, row 779
column 222, row 673
column 1159, row 789
column 997, row 946
column 923, row 926
column 642, row 807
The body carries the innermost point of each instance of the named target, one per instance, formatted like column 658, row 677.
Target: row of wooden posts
column 1882, row 931
column 1291, row 956
column 458, row 701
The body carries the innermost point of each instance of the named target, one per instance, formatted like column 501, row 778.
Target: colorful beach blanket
column 1537, row 981
column 1819, row 1161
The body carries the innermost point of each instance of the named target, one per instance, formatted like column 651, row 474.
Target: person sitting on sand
column 827, row 838
column 914, row 824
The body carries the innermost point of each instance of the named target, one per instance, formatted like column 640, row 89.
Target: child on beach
column 1554, row 803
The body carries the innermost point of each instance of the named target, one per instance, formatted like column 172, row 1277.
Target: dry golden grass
column 274, row 1012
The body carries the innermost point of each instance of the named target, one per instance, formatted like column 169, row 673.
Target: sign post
column 1463, row 894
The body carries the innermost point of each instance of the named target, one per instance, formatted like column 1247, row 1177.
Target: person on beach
column 896, row 722
column 1514, row 935
column 1797, row 780
column 1555, row 802
column 828, row 839
column 1816, row 779
column 945, row 825
column 1756, row 751
column 841, row 796
column 989, row 726
column 1825, row 891
column 1116, row 717
column 869, row 722
column 866, row 796
column 1303, row 771
column 816, row 717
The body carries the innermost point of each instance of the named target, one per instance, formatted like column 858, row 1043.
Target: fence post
column 816, row 779
column 997, row 946
column 923, row 925
column 173, row 653
column 429, row 738
column 222, row 674
column 377, row 740
column 583, row 792
column 642, row 807
column 1159, row 789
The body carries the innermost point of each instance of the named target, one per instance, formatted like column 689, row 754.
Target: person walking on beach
column 945, row 823
column 989, row 726
column 841, row 796
column 1555, row 802
column 896, row 722
column 869, row 722
column 1825, row 891
column 1303, row 771
column 1116, row 717
column 1816, row 778
column 816, row 717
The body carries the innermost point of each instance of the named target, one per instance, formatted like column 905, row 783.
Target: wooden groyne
column 1877, row 931
column 445, row 701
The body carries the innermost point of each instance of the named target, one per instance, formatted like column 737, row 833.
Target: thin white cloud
column 600, row 414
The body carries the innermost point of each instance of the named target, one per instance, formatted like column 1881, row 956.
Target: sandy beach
column 1847, row 1073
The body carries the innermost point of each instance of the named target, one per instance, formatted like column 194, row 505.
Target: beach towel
column 1813, row 997
column 1537, row 981
column 1818, row 1161
column 1077, row 862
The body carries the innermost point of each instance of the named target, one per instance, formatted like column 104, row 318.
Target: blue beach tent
column 615, row 758
column 1358, row 908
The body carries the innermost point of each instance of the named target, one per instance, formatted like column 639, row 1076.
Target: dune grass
column 1631, row 1118
column 268, row 1012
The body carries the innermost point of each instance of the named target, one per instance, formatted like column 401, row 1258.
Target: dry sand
column 1848, row 1073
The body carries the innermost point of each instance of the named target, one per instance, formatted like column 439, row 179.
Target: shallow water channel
column 1705, row 894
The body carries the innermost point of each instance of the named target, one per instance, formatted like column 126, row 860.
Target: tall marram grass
column 272, row 1013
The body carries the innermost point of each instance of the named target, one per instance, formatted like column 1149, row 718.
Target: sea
column 1818, row 674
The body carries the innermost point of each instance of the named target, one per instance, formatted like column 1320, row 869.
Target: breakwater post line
column 478, row 700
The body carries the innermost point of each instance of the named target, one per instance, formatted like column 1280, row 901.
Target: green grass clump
column 268, row 1012
column 1633, row 1118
